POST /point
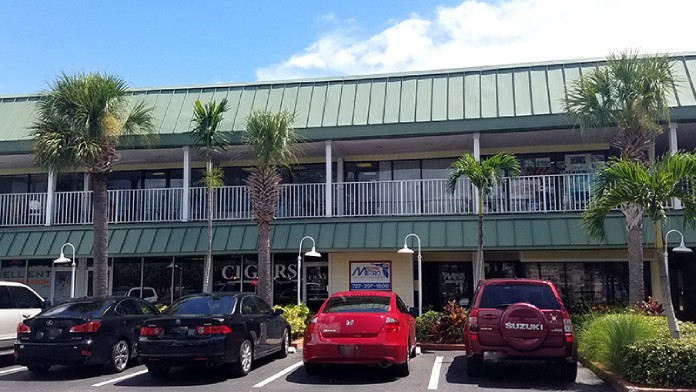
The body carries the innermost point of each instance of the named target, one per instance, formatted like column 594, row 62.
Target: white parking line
column 117, row 379
column 435, row 374
column 13, row 370
column 278, row 375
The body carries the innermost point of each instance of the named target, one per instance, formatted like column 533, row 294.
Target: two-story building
column 372, row 171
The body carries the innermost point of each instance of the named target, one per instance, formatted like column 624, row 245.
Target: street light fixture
column 312, row 253
column 407, row 250
column 667, row 292
column 63, row 259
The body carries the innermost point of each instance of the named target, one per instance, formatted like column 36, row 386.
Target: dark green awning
column 510, row 232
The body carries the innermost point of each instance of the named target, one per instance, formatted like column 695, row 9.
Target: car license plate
column 345, row 349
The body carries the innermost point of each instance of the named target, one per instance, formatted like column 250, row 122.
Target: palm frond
column 272, row 138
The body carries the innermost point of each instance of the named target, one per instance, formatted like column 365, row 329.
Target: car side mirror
column 278, row 312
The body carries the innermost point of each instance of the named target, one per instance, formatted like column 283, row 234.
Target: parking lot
column 430, row 371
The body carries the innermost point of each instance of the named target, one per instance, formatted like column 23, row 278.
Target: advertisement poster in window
column 370, row 275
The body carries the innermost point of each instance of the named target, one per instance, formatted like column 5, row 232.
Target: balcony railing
column 528, row 194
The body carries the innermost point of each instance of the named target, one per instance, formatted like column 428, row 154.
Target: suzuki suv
column 519, row 320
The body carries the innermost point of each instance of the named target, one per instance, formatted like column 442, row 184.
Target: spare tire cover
column 523, row 326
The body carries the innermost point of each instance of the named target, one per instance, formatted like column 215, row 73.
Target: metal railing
column 528, row 194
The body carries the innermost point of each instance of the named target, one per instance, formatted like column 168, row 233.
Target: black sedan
column 83, row 331
column 221, row 329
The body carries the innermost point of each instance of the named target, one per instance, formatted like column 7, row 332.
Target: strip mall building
column 373, row 171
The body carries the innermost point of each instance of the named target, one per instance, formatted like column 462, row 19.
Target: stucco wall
column 401, row 266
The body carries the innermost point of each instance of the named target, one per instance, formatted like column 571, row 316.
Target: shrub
column 606, row 338
column 297, row 317
column 449, row 327
column 662, row 362
column 649, row 307
column 582, row 314
column 425, row 326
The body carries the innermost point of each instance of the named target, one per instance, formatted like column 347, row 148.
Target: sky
column 158, row 43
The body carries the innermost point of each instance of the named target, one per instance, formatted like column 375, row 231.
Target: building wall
column 403, row 281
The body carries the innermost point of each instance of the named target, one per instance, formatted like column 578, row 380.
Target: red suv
column 519, row 320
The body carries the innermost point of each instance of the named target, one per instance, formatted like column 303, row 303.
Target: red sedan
column 361, row 327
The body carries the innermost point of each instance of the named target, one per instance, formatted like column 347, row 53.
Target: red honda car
column 361, row 327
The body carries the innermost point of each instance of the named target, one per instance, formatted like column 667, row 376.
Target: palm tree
column 630, row 93
column 648, row 188
column 207, row 136
column 273, row 142
column 484, row 175
column 80, row 121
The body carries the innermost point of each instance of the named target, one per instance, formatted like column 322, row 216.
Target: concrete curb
column 620, row 385
column 442, row 346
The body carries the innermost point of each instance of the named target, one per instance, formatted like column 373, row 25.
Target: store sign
column 230, row 272
column 375, row 275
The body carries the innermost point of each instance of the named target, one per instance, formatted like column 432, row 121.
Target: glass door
column 316, row 284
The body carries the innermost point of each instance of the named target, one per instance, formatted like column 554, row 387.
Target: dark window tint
column 5, row 300
column 357, row 304
column 79, row 309
column 500, row 296
column 128, row 308
column 263, row 306
column 146, row 308
column 203, row 305
column 25, row 298
column 401, row 305
column 249, row 306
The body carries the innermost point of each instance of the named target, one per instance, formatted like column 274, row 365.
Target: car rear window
column 92, row 309
column 357, row 304
column 502, row 295
column 203, row 305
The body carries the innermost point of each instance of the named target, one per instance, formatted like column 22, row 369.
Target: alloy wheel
column 120, row 356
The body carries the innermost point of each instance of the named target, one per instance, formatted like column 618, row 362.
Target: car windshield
column 92, row 309
column 503, row 295
column 362, row 304
column 203, row 305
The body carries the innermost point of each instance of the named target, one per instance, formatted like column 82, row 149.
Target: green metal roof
column 460, row 100
column 501, row 233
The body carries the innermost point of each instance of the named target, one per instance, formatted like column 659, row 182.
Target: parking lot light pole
column 667, row 292
column 63, row 259
column 312, row 253
column 407, row 250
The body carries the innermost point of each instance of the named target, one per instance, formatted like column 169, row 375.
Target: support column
column 185, row 204
column 477, row 146
column 328, row 205
column 673, row 148
column 50, row 197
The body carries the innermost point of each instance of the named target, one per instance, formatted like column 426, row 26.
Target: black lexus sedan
column 83, row 331
column 229, row 330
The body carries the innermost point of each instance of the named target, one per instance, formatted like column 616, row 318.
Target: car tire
column 242, row 365
column 404, row 369
column 312, row 369
column 158, row 370
column 38, row 368
column 120, row 355
column 413, row 352
column 474, row 365
column 284, row 344
column 569, row 371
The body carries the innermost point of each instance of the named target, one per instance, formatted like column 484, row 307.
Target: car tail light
column 23, row 328
column 567, row 327
column 213, row 330
column 89, row 327
column 391, row 325
column 473, row 320
column 150, row 331
column 312, row 325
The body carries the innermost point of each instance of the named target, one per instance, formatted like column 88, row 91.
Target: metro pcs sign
column 370, row 275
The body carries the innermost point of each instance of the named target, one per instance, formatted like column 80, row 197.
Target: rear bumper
column 185, row 352
column 509, row 354
column 350, row 351
column 72, row 353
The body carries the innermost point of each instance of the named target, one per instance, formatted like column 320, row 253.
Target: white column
column 477, row 146
column 50, row 197
column 328, row 206
column 185, row 205
column 673, row 148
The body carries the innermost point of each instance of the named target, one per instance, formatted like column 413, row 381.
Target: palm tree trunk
column 478, row 260
column 636, row 286
column 209, row 255
column 667, row 300
column 100, row 281
column 264, row 280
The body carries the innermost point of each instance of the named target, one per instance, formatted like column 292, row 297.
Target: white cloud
column 478, row 33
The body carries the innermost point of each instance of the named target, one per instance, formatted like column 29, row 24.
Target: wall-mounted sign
column 370, row 275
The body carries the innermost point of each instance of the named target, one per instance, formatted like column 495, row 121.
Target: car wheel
column 120, row 355
column 38, row 368
column 157, row 370
column 474, row 365
column 242, row 366
column 284, row 344
column 569, row 371
column 404, row 369
column 312, row 369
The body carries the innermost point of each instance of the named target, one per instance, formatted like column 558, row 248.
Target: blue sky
column 170, row 43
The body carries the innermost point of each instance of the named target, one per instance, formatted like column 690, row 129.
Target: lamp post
column 407, row 250
column 666, row 291
column 312, row 253
column 63, row 259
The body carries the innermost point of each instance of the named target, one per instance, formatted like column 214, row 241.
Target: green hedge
column 662, row 362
